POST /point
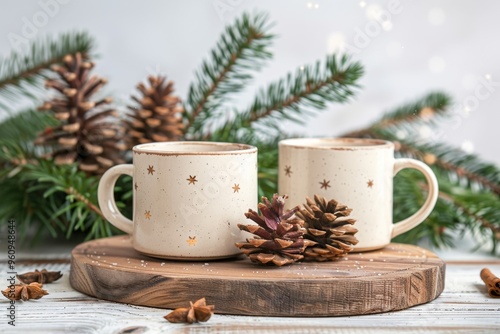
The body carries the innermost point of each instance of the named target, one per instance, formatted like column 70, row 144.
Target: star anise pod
column 43, row 276
column 24, row 291
column 199, row 311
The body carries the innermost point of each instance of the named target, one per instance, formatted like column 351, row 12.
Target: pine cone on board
column 327, row 224
column 278, row 235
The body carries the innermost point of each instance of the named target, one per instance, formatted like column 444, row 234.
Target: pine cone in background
column 89, row 133
column 279, row 234
column 158, row 114
column 327, row 225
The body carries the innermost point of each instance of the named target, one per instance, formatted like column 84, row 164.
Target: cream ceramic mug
column 356, row 172
column 188, row 198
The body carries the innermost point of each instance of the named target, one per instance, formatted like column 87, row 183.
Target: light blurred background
column 408, row 48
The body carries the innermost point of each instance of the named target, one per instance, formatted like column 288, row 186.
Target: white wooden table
column 463, row 307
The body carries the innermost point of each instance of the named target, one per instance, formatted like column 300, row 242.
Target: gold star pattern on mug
column 236, row 188
column 288, row 171
column 151, row 170
column 325, row 184
column 147, row 214
column 369, row 183
column 192, row 179
column 192, row 241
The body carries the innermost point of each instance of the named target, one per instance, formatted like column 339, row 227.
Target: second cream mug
column 188, row 198
column 358, row 173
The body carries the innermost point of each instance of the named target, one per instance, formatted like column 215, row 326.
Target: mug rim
column 339, row 144
column 236, row 148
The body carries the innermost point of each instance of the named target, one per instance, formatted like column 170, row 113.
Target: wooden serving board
column 393, row 278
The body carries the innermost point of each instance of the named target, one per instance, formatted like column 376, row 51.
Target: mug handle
column 422, row 213
column 106, row 197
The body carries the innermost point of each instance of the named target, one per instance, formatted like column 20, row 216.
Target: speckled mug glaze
column 356, row 172
column 188, row 198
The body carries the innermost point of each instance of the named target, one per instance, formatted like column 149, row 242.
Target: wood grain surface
column 394, row 278
column 463, row 307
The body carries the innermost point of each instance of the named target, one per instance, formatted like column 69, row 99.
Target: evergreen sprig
column 42, row 196
column 428, row 109
column 409, row 196
column 294, row 97
column 308, row 90
column 242, row 49
column 481, row 212
column 22, row 126
column 399, row 126
column 469, row 196
column 469, row 169
column 425, row 108
column 17, row 133
column 458, row 209
column 57, row 199
column 21, row 73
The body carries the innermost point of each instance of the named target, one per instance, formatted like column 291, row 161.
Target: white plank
column 463, row 307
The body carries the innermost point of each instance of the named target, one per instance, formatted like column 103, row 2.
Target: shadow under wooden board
column 393, row 278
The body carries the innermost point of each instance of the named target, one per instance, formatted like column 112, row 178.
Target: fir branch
column 468, row 197
column 21, row 72
column 16, row 138
column 460, row 198
column 58, row 199
column 79, row 197
column 409, row 195
column 474, row 210
column 295, row 96
column 466, row 167
column 311, row 87
column 27, row 204
column 242, row 48
column 425, row 109
column 478, row 215
column 55, row 179
column 24, row 125
column 19, row 205
column 469, row 188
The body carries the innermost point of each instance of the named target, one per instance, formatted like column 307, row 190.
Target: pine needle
column 469, row 197
column 242, row 49
column 22, row 73
column 294, row 97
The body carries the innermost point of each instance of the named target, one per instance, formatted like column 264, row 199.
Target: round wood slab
column 393, row 278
